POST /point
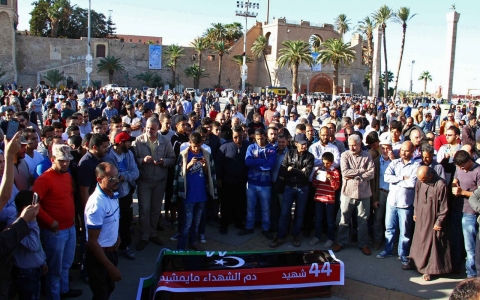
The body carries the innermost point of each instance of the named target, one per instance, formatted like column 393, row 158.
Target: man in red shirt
column 56, row 220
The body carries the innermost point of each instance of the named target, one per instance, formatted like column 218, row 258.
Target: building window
column 211, row 57
column 101, row 51
column 122, row 40
column 139, row 41
column 158, row 42
column 130, row 40
column 3, row 2
column 194, row 57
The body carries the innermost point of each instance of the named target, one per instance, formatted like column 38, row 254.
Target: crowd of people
column 369, row 171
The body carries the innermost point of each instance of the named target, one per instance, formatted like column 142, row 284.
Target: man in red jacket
column 56, row 220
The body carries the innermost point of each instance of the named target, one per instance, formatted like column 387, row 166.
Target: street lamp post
column 88, row 58
column 246, row 14
column 411, row 76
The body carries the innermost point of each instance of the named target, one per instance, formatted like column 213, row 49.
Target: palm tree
column 147, row 77
column 59, row 11
column 342, row 24
column 234, row 31
column 335, row 51
column 259, row 48
column 294, row 53
column 54, row 76
column 402, row 15
column 315, row 42
column 220, row 48
column 111, row 64
column 425, row 76
column 216, row 33
column 238, row 59
column 365, row 27
column 172, row 54
column 196, row 72
column 381, row 17
column 200, row 45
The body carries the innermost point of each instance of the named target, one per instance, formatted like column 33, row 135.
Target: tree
column 342, row 24
column 151, row 79
column 366, row 27
column 425, row 76
column 196, row 72
column 77, row 25
column 59, row 11
column 200, row 45
column 172, row 54
column 294, row 53
column 39, row 21
column 221, row 49
column 216, row 33
column 110, row 64
column 259, row 49
column 315, row 43
column 54, row 76
column 234, row 31
column 150, row 42
column 238, row 59
column 389, row 77
column 336, row 52
column 111, row 29
column 381, row 17
column 401, row 16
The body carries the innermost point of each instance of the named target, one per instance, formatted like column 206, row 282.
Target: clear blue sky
column 181, row 21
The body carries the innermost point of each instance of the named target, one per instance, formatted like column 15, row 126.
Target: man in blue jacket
column 260, row 160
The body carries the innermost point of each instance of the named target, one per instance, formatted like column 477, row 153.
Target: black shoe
column 71, row 294
column 223, row 231
column 160, row 227
column 245, row 232
column 267, row 234
column 156, row 240
column 277, row 242
column 141, row 245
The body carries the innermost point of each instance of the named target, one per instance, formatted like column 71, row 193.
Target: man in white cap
column 56, row 220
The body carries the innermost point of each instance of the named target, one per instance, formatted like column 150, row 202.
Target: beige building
column 27, row 58
column 139, row 39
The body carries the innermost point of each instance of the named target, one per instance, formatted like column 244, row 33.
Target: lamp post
column 411, row 76
column 245, row 13
column 88, row 58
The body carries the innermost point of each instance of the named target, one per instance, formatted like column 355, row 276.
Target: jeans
column 456, row 238
column 320, row 208
column 192, row 213
column 126, row 218
column 403, row 218
column 234, row 203
column 100, row 282
column 379, row 218
column 470, row 230
column 262, row 193
column 28, row 283
column 347, row 208
column 298, row 195
column 60, row 250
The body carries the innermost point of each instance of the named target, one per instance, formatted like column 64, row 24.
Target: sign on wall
column 318, row 67
column 155, row 57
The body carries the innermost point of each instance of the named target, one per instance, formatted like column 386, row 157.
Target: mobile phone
column 35, row 199
column 12, row 129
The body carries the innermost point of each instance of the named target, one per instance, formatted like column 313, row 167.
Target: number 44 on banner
column 325, row 269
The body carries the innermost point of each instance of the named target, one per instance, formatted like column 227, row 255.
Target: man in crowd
column 401, row 174
column 298, row 164
column 430, row 253
column 122, row 158
column 101, row 215
column 154, row 155
column 56, row 220
column 260, row 159
column 357, row 170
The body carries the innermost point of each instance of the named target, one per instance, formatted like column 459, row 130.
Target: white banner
column 155, row 57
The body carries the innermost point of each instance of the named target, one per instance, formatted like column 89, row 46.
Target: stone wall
column 39, row 54
column 7, row 37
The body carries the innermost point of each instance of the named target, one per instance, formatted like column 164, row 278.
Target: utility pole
column 246, row 14
column 411, row 76
column 89, row 58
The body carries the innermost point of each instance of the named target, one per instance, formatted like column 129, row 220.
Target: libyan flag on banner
column 216, row 271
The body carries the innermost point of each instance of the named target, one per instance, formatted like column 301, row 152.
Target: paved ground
column 366, row 276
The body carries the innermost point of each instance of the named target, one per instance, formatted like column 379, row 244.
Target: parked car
column 190, row 90
column 226, row 92
column 111, row 86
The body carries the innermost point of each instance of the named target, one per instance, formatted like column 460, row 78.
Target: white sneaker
column 328, row 244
